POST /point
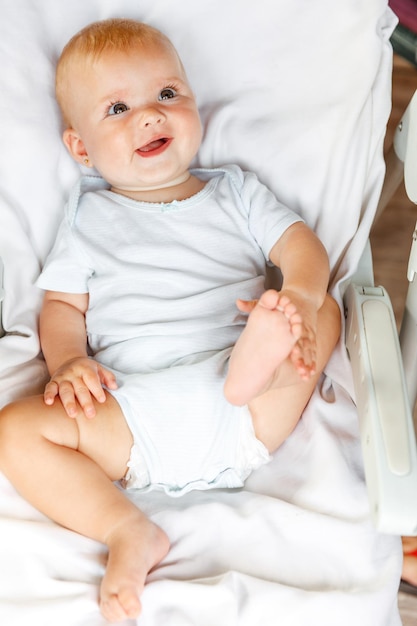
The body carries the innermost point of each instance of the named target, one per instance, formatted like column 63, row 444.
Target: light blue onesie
column 163, row 280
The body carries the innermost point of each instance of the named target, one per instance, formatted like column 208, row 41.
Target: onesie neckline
column 143, row 205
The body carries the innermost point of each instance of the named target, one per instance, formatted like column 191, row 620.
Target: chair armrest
column 385, row 420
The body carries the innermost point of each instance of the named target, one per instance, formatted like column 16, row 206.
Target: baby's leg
column 276, row 412
column 65, row 468
column 272, row 330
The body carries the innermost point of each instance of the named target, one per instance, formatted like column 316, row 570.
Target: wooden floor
column 392, row 233
column 391, row 240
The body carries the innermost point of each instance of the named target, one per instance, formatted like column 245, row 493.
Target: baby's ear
column 76, row 147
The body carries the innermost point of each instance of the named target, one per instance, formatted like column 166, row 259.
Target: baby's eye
column 167, row 93
column 117, row 108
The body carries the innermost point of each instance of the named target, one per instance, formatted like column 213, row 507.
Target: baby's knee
column 331, row 314
column 6, row 413
column 9, row 427
column 16, row 420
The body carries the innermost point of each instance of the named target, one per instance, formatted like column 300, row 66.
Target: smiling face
column 134, row 117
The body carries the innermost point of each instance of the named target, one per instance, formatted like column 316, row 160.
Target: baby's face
column 136, row 118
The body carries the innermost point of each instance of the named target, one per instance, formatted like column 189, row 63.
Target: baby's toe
column 111, row 609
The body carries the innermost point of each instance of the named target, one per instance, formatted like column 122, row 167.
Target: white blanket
column 299, row 92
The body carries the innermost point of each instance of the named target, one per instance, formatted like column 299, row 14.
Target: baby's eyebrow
column 176, row 80
column 113, row 96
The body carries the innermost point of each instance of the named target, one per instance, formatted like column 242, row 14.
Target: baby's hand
column 76, row 383
column 303, row 355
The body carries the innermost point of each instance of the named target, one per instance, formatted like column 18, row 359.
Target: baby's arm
column 75, row 378
column 304, row 264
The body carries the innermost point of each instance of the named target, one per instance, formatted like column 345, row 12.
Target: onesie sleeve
column 65, row 269
column 268, row 218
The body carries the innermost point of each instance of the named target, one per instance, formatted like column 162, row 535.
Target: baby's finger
column 93, row 384
column 246, row 306
column 67, row 396
column 84, row 395
column 50, row 392
column 303, row 357
column 107, row 378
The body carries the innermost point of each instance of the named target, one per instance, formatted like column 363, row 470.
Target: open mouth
column 154, row 147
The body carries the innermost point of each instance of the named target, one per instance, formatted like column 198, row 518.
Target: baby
column 158, row 379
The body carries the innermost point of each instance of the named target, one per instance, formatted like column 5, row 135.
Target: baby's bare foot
column 271, row 332
column 135, row 547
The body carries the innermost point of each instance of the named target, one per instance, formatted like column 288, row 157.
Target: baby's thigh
column 105, row 438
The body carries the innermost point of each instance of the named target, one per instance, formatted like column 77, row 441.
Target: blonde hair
column 116, row 34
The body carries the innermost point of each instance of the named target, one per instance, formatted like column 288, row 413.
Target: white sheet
column 299, row 92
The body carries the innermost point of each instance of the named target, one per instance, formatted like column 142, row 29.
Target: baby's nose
column 151, row 116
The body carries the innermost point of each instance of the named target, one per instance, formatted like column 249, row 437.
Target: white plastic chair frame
column 385, row 366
